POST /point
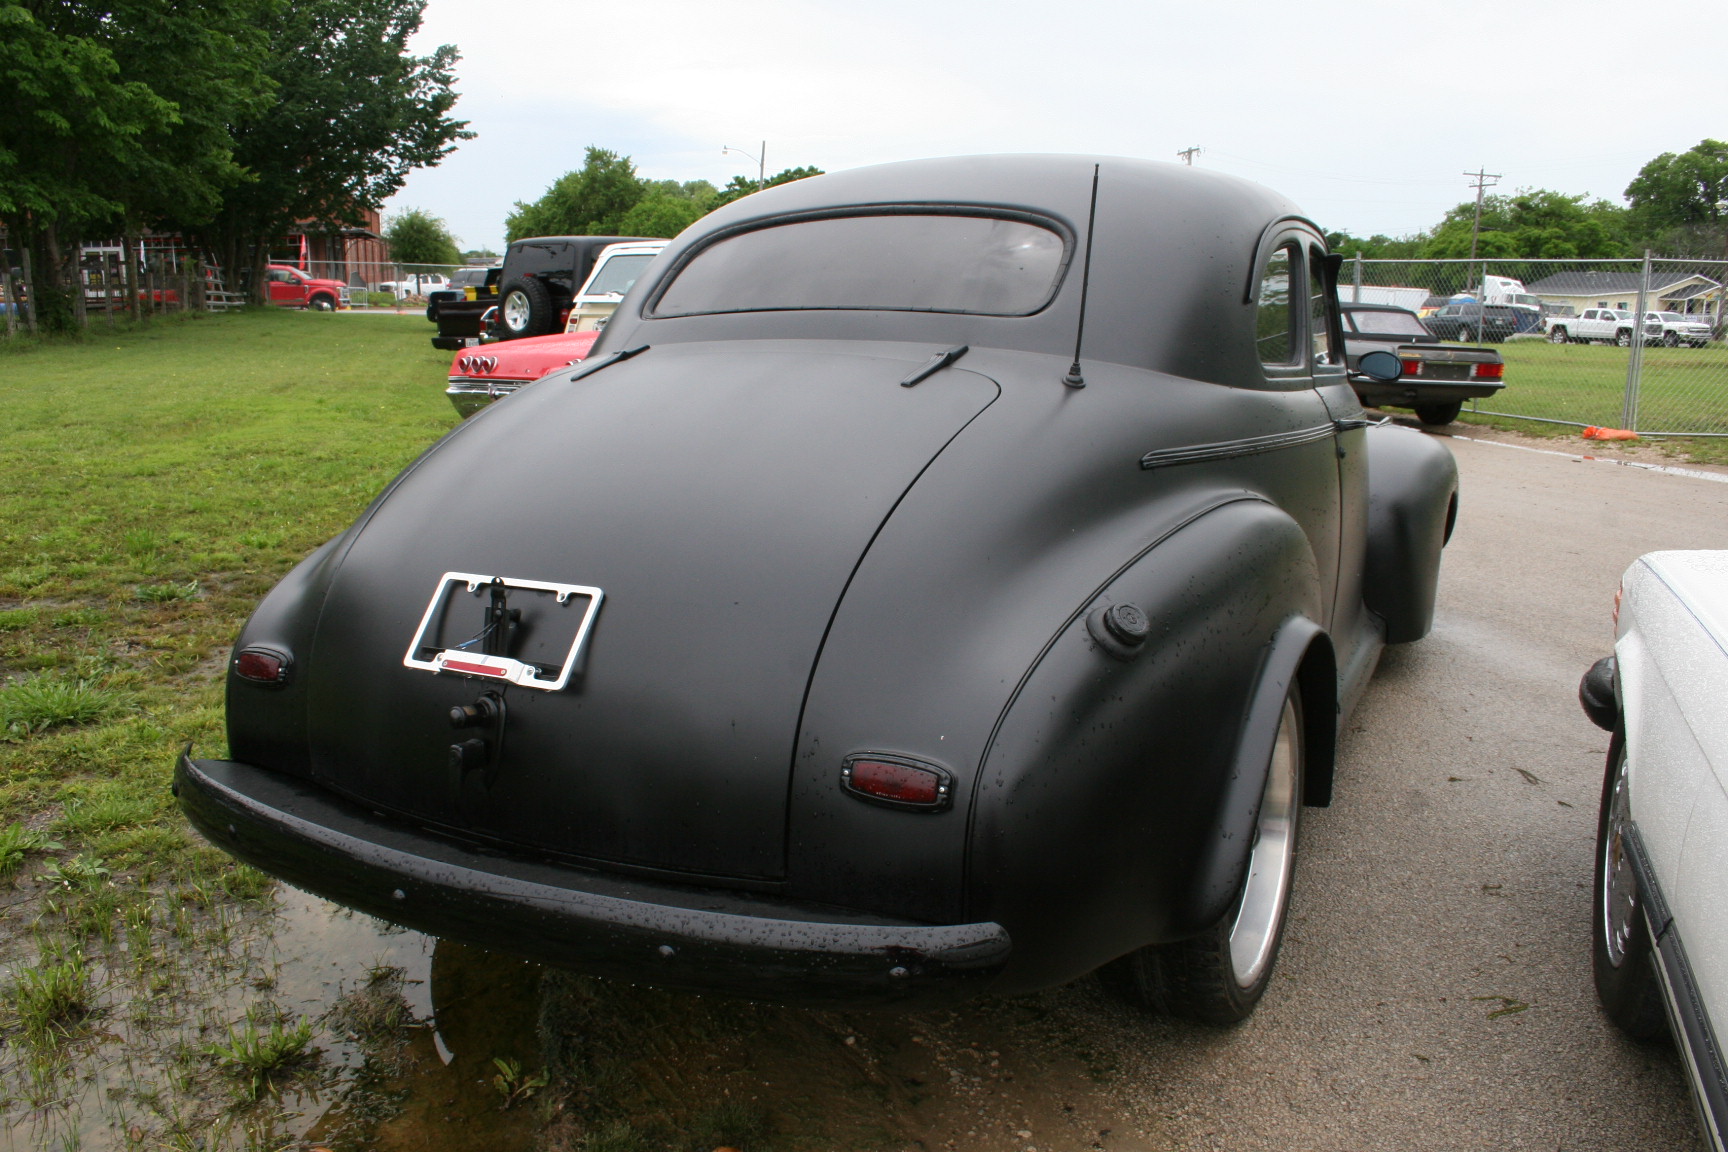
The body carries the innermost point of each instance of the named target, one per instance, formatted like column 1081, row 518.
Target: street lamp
column 761, row 159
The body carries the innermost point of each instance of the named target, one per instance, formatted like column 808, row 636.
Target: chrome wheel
column 1619, row 898
column 516, row 311
column 1254, row 935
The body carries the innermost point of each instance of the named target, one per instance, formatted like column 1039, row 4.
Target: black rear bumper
column 640, row 930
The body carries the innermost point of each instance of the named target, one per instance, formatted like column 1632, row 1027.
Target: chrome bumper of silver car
column 471, row 393
column 705, row 939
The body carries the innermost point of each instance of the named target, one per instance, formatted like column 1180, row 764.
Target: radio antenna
column 1074, row 379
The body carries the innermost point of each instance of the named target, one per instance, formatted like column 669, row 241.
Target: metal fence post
column 1356, row 281
column 1635, row 363
column 30, row 286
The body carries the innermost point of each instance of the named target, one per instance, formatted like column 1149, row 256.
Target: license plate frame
column 427, row 655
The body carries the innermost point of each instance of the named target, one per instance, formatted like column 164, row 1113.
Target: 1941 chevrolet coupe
column 943, row 577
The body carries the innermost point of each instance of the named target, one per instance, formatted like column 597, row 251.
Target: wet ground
column 1434, row 990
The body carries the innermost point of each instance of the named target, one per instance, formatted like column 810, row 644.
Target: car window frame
column 1309, row 244
column 1063, row 230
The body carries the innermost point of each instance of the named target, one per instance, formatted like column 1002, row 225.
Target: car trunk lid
column 720, row 498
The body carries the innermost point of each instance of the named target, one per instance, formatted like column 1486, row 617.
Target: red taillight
column 1488, row 371
column 262, row 666
column 1412, row 367
column 901, row 783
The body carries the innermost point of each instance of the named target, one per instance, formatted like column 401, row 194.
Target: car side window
column 1277, row 322
column 1321, row 300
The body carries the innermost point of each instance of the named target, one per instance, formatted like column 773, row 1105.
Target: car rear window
column 1388, row 323
column 904, row 262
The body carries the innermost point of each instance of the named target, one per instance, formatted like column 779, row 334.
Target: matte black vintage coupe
column 943, row 577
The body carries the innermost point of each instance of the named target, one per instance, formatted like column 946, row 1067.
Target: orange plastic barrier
column 1594, row 433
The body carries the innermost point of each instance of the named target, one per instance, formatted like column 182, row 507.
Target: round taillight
column 897, row 781
column 262, row 665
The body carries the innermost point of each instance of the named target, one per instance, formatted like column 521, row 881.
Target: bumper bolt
column 667, row 950
column 898, row 972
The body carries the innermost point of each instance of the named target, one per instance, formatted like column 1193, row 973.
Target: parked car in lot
column 1660, row 923
column 1675, row 329
column 1593, row 325
column 291, row 288
column 1436, row 379
column 531, row 291
column 942, row 577
column 479, row 376
column 1470, row 322
column 415, row 284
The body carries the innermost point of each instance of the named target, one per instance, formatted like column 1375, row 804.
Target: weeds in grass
column 514, row 1083
column 376, row 1012
column 16, row 619
column 734, row 1124
column 17, row 842
column 48, row 700
column 80, row 618
column 620, row 1137
column 244, row 882
column 54, row 997
column 79, row 873
column 255, row 1055
column 103, row 813
column 168, row 592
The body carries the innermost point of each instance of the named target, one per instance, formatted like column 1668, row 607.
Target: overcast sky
column 1366, row 112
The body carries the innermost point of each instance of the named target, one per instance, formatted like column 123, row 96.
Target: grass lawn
column 161, row 479
column 1682, row 390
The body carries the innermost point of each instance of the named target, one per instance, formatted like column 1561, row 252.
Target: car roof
column 1173, row 259
column 1351, row 307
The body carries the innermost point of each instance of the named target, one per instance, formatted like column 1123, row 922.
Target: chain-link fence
column 392, row 287
column 1634, row 344
column 153, row 283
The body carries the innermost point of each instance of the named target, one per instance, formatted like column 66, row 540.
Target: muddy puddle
column 289, row 1024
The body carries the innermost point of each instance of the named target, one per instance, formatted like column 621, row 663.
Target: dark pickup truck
column 531, row 291
column 1437, row 378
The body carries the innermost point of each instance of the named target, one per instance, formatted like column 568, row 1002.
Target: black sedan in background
column 1436, row 378
column 941, row 577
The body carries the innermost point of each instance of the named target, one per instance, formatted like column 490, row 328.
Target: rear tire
column 1438, row 414
column 1219, row 976
column 1623, row 338
column 1621, row 954
column 1466, row 336
column 525, row 309
column 1557, row 336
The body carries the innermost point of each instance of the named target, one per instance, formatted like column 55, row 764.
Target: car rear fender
column 1115, row 803
column 1412, row 506
column 267, row 722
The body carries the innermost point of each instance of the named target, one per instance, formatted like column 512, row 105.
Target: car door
column 1301, row 344
column 284, row 289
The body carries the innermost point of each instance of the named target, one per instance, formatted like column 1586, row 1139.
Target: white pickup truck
column 1609, row 325
column 1675, row 329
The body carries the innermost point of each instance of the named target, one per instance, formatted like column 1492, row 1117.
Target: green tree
column 591, row 201
column 742, row 186
column 420, row 241
column 114, row 116
column 1680, row 202
column 1534, row 224
column 1377, row 246
column 659, row 215
column 353, row 113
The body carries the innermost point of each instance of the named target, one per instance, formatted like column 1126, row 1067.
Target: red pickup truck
column 292, row 288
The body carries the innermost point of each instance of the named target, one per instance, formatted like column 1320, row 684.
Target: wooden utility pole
column 1482, row 184
column 1188, row 154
